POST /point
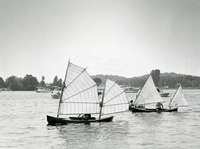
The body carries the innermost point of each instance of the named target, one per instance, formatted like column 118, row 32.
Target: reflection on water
column 93, row 136
column 23, row 125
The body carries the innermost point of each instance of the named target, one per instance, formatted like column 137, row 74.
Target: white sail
column 115, row 99
column 178, row 100
column 148, row 94
column 80, row 93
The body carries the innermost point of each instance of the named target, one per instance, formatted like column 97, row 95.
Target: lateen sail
column 148, row 94
column 80, row 93
column 178, row 100
column 115, row 99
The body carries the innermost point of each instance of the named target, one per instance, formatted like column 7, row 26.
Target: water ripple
column 23, row 125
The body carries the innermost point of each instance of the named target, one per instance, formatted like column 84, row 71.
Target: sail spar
column 115, row 99
column 79, row 94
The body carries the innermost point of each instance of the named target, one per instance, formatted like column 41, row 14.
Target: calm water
column 23, row 125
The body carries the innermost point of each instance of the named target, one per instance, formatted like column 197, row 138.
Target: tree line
column 28, row 83
column 162, row 80
column 170, row 80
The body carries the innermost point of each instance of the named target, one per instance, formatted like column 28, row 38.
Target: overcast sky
column 120, row 37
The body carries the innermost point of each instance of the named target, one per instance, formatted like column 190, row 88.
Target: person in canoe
column 86, row 117
column 159, row 106
column 141, row 106
column 131, row 104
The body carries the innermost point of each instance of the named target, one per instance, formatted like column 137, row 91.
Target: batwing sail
column 79, row 94
column 148, row 94
column 178, row 100
column 115, row 99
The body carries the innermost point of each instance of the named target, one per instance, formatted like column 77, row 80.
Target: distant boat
column 148, row 95
column 43, row 90
column 162, row 94
column 56, row 93
column 129, row 89
column 79, row 99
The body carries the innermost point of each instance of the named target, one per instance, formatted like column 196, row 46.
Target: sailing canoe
column 164, row 94
column 153, row 110
column 148, row 95
column 79, row 96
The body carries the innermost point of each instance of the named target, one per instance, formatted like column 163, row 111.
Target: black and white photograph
column 97, row 74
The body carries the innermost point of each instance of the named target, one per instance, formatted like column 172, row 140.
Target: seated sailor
column 159, row 106
column 131, row 105
column 141, row 106
column 86, row 116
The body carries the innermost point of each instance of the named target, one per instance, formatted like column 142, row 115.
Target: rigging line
column 79, row 93
column 114, row 97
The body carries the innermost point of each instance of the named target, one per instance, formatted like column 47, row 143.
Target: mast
column 63, row 88
column 140, row 90
column 101, row 103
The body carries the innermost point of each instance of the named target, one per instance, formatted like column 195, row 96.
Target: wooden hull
column 152, row 110
column 61, row 121
column 164, row 94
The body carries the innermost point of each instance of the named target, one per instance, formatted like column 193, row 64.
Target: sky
column 120, row 37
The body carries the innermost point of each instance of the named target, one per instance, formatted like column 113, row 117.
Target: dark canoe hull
column 153, row 110
column 164, row 94
column 61, row 121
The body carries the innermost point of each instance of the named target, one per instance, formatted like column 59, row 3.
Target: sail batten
column 78, row 93
column 114, row 97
